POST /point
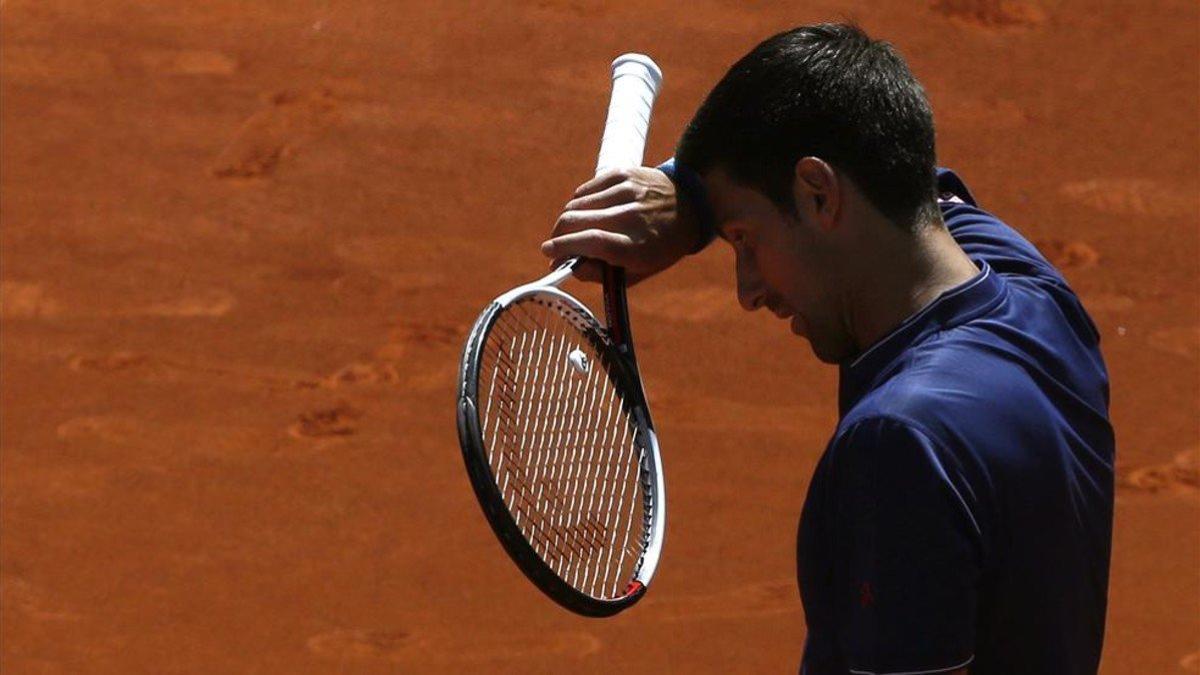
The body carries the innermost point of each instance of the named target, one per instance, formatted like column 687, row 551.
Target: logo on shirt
column 866, row 596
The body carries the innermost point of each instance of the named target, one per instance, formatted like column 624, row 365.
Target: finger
column 613, row 195
column 611, row 247
column 608, row 218
column 601, row 181
column 589, row 270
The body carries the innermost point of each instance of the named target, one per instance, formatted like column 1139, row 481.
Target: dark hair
column 828, row 91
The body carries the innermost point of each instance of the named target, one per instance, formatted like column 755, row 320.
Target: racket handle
column 636, row 80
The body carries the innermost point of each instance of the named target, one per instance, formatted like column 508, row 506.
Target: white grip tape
column 636, row 80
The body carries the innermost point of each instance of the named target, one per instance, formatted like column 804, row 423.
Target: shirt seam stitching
column 915, row 672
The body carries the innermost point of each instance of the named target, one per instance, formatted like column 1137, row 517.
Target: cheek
column 781, row 272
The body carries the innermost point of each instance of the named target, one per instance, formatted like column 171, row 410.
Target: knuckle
column 560, row 225
column 566, row 220
column 586, row 188
column 606, row 177
column 606, row 246
column 637, row 214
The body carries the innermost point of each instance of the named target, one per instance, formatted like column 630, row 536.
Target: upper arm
column 907, row 554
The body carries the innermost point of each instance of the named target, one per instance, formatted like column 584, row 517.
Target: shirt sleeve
column 985, row 237
column 907, row 554
column 690, row 189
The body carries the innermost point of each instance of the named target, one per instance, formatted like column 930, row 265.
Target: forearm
column 693, row 210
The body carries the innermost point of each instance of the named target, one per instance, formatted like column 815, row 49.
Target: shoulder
column 884, row 441
column 966, row 369
column 866, row 424
column 984, row 236
column 894, row 468
column 950, row 399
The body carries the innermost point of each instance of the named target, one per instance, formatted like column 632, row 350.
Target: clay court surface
column 242, row 244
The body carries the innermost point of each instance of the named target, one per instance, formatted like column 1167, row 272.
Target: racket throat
column 616, row 309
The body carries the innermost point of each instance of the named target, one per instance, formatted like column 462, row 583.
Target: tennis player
column 960, row 517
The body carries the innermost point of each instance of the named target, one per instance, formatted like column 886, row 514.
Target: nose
column 751, row 294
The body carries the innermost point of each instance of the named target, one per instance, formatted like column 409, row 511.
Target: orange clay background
column 243, row 243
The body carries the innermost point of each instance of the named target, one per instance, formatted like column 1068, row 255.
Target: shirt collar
column 953, row 307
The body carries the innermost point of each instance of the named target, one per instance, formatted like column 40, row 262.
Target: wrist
column 693, row 210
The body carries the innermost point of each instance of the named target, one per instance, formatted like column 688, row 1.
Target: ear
column 817, row 192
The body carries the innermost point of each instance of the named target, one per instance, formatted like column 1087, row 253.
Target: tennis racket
column 552, row 419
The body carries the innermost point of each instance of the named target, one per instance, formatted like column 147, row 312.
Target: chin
column 825, row 357
column 827, row 351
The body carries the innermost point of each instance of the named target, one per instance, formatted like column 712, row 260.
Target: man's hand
column 626, row 217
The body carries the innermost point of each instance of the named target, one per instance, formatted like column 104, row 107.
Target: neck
column 902, row 273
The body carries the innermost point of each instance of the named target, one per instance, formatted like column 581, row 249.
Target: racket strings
column 589, row 538
column 562, row 447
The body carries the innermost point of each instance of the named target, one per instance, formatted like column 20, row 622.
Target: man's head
column 827, row 91
column 813, row 134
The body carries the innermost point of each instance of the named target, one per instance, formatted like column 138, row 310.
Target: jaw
column 825, row 326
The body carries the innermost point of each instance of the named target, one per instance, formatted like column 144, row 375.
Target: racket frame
column 614, row 341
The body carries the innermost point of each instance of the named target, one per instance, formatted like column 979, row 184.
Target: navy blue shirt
column 961, row 515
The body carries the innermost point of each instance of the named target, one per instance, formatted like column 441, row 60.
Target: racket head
column 588, row 534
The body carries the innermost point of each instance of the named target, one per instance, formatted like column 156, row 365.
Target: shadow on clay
column 337, row 421
column 1129, row 197
column 992, row 15
column 288, row 119
column 1179, row 477
column 402, row 646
